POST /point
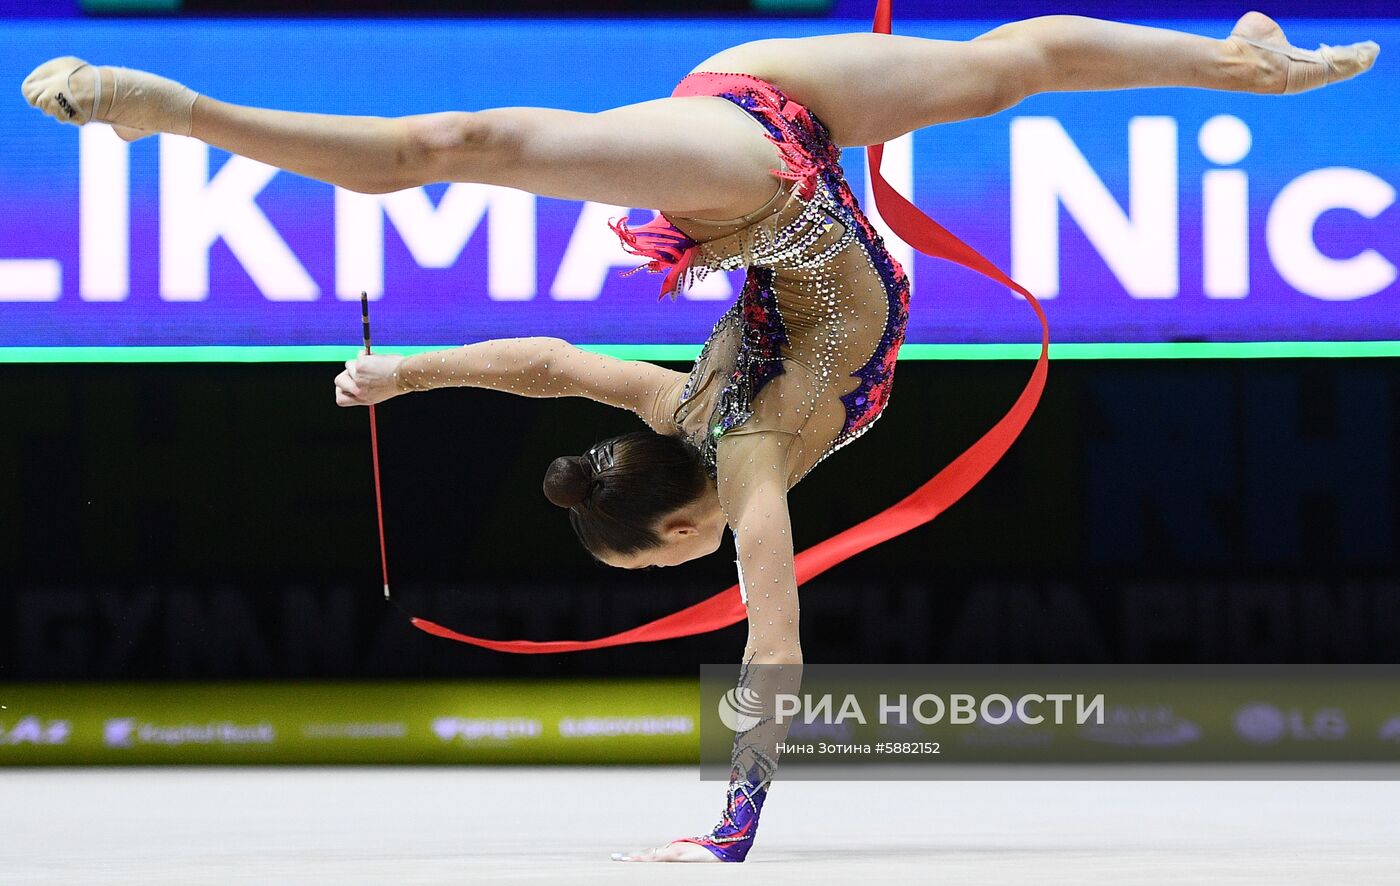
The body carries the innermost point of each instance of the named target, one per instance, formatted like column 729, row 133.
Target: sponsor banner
column 1150, row 216
column 926, row 721
column 856, row 721
column 582, row 721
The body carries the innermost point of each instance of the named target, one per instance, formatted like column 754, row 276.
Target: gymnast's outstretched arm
column 537, row 366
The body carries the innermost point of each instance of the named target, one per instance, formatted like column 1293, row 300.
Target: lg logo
column 1266, row 724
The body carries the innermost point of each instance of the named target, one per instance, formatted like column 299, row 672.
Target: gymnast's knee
column 1016, row 67
column 452, row 146
column 1039, row 52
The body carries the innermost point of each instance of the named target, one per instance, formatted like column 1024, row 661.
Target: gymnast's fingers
column 345, row 382
column 675, row 851
column 345, row 399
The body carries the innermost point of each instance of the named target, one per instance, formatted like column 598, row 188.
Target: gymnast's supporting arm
column 753, row 471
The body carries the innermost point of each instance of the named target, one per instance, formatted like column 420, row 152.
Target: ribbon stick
column 374, row 452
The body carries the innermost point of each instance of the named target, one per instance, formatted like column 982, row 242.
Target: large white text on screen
column 1139, row 244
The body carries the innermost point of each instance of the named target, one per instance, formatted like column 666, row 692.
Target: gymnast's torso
column 808, row 348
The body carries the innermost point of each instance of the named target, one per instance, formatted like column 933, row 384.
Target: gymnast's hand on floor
column 670, row 852
column 368, row 379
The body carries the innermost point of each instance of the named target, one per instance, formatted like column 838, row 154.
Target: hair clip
column 600, row 457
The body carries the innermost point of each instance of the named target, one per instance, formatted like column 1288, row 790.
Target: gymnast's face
column 688, row 533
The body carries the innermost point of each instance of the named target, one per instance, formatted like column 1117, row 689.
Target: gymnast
column 741, row 164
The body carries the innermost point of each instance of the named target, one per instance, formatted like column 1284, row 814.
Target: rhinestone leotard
column 808, row 349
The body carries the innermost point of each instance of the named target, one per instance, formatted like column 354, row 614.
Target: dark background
column 197, row 521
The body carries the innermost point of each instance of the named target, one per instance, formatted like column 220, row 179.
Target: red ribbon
column 928, row 501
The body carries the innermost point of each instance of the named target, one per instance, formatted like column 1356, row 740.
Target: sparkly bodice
column 808, row 348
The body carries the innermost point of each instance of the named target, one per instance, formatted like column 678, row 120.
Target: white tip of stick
column 386, row 592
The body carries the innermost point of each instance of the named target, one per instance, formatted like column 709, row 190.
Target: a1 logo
column 33, row 730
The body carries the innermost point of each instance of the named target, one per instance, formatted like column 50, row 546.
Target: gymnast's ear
column 677, row 526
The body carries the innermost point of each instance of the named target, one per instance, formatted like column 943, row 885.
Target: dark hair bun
column 567, row 481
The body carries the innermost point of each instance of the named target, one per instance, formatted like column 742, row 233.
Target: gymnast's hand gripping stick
column 374, row 450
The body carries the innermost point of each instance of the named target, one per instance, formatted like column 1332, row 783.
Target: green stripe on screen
column 790, row 6
column 681, row 353
column 101, row 7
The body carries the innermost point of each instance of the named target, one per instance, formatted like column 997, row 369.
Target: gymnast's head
column 638, row 501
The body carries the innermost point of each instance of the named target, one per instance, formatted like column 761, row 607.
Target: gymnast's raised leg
column 870, row 88
column 867, row 88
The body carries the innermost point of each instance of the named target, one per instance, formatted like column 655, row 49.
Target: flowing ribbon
column 928, row 501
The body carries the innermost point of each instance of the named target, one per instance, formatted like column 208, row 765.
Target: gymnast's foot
column 136, row 103
column 677, row 851
column 1284, row 69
